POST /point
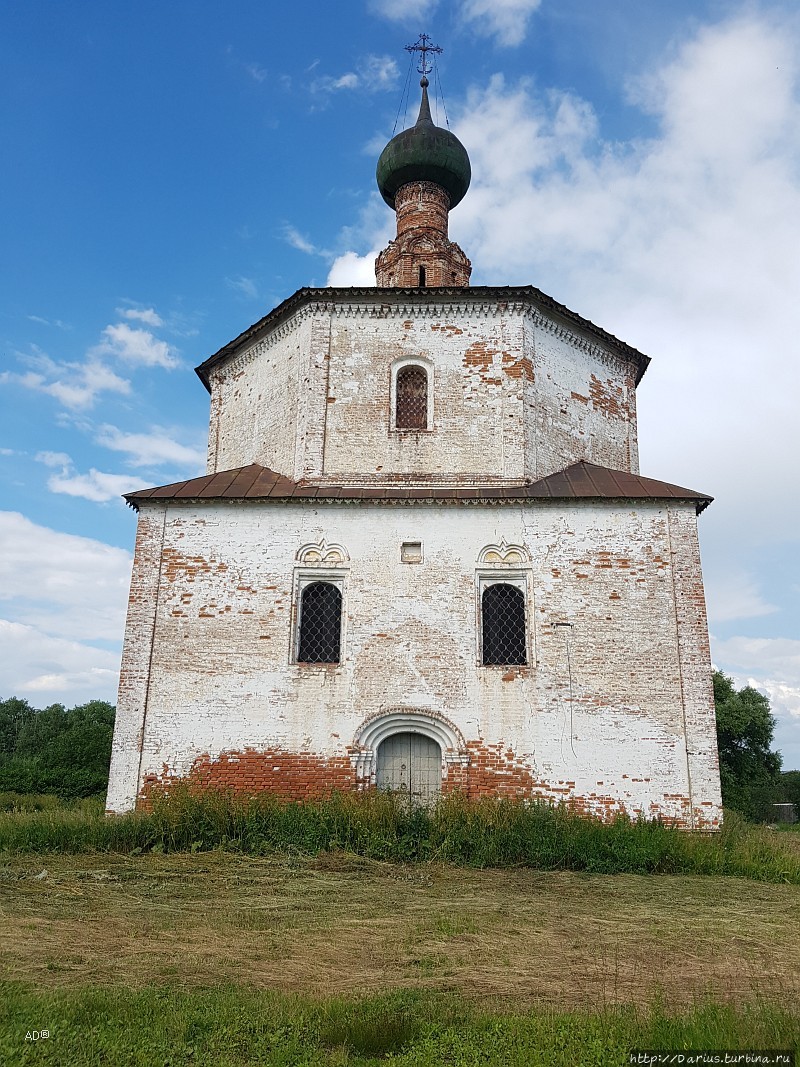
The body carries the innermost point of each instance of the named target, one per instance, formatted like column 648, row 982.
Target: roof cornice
column 580, row 481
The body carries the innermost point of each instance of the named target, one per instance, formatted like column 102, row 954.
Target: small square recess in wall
column 411, row 552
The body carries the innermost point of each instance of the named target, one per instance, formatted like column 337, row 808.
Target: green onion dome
column 424, row 153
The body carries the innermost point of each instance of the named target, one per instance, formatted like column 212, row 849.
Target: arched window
column 411, row 403
column 503, row 625
column 320, row 624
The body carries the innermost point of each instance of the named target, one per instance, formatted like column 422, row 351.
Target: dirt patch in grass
column 342, row 925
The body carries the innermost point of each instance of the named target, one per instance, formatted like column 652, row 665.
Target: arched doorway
column 410, row 764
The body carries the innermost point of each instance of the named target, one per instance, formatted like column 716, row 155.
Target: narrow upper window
column 411, row 411
column 503, row 625
column 320, row 624
column 422, row 277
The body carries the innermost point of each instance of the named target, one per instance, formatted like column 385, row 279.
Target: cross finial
column 423, row 46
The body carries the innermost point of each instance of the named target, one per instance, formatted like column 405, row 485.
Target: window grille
column 320, row 624
column 503, row 619
column 411, row 411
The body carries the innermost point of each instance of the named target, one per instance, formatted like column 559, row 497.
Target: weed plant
column 482, row 833
column 230, row 1026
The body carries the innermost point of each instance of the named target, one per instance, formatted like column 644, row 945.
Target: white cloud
column 328, row 84
column 373, row 231
column 50, row 669
column 379, row 72
column 345, row 81
column 152, row 449
column 732, row 593
column 374, row 74
column 53, row 459
column 96, row 486
column 149, row 316
column 771, row 665
column 64, row 585
column 778, row 657
column 403, row 10
column 352, row 269
column 75, row 385
column 136, row 346
column 245, row 286
column 50, row 322
column 256, row 72
column 294, row 238
column 505, row 20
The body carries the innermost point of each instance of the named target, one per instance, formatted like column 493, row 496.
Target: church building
column 422, row 557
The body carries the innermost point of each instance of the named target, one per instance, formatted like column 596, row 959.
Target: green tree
column 749, row 770
column 14, row 714
column 789, row 790
column 66, row 753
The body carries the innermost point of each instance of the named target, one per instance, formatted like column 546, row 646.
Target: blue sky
column 173, row 171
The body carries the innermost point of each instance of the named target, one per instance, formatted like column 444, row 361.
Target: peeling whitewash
column 613, row 710
column 517, row 394
column 614, row 707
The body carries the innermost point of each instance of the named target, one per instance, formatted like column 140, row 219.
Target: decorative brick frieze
column 421, row 255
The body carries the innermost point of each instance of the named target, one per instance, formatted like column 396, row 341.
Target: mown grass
column 485, row 833
column 231, row 1026
column 340, row 925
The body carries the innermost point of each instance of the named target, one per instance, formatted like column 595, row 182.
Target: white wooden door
column 410, row 764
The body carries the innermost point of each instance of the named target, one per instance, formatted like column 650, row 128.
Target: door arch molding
column 383, row 724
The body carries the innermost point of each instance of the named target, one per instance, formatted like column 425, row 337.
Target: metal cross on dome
column 424, row 46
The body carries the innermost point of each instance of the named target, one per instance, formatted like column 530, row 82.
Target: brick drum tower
column 422, row 557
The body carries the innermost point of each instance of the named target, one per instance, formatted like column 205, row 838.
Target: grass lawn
column 127, row 958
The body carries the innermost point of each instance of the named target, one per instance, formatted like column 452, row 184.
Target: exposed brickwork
column 259, row 402
column 697, row 692
column 512, row 396
column 422, row 243
column 612, row 709
column 135, row 670
column 288, row 775
column 581, row 406
column 491, row 771
column 597, row 715
column 495, row 771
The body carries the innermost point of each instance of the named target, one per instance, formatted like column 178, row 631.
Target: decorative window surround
column 397, row 366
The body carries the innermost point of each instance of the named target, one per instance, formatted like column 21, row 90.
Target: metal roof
column 440, row 294
column 582, row 480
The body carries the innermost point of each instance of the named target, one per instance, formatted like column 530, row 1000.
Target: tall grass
column 483, row 833
column 49, row 802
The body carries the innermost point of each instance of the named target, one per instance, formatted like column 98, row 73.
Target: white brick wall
column 601, row 713
column 614, row 709
column 517, row 395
